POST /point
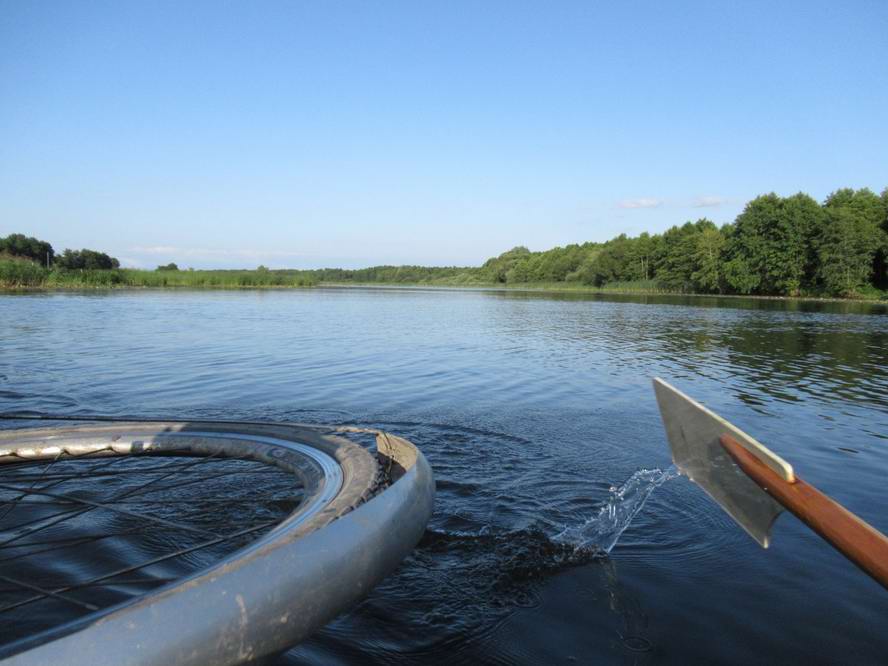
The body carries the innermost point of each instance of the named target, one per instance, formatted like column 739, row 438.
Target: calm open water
column 530, row 408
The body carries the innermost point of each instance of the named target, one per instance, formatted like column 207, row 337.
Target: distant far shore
column 223, row 280
column 27, row 275
column 628, row 290
column 780, row 248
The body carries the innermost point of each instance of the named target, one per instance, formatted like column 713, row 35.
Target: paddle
column 753, row 484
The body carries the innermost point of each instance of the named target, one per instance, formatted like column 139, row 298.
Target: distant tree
column 864, row 203
column 588, row 255
column 709, row 244
column 880, row 264
column 884, row 199
column 846, row 252
column 168, row 267
column 805, row 218
column 640, row 253
column 739, row 276
column 606, row 267
column 519, row 272
column 86, row 259
column 603, row 265
column 531, row 265
column 262, row 268
column 872, row 211
column 676, row 255
column 771, row 239
column 689, row 258
column 555, row 264
column 19, row 245
column 852, row 236
column 496, row 268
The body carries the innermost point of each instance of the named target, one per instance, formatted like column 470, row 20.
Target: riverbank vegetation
column 17, row 273
column 27, row 262
column 778, row 246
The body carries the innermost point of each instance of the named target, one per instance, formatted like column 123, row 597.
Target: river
column 534, row 409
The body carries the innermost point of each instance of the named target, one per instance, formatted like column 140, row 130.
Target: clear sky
column 306, row 134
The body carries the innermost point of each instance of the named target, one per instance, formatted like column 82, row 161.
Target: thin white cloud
column 643, row 202
column 709, row 202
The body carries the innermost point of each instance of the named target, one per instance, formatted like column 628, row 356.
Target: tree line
column 783, row 246
column 390, row 274
column 778, row 246
column 41, row 252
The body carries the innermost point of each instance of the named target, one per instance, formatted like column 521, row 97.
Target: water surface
column 534, row 409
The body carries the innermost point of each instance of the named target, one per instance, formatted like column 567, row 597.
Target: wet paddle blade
column 693, row 432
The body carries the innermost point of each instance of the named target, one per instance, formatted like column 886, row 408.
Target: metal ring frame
column 277, row 590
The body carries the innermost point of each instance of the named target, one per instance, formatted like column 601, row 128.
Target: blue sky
column 305, row 134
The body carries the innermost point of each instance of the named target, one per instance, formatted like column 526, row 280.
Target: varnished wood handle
column 859, row 542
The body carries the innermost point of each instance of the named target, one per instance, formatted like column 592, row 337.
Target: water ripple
column 534, row 410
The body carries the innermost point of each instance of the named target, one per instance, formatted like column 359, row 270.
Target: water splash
column 457, row 581
column 603, row 530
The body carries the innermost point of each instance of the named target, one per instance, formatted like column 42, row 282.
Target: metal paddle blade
column 693, row 433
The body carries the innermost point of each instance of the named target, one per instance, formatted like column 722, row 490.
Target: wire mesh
column 83, row 533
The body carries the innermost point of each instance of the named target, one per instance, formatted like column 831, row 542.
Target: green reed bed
column 18, row 274
column 231, row 279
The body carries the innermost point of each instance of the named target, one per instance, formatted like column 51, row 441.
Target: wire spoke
column 134, row 471
column 13, row 505
column 115, row 517
column 54, row 520
column 110, row 507
column 48, row 593
column 201, row 500
column 130, row 569
column 71, row 542
column 124, row 581
column 102, row 464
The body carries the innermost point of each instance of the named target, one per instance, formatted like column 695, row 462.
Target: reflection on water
column 531, row 407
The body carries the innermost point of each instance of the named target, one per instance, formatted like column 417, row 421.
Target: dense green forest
column 778, row 246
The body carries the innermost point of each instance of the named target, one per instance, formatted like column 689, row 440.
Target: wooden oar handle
column 859, row 542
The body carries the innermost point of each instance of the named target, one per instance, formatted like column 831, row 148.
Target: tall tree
column 19, row 245
column 680, row 256
column 852, row 241
column 640, row 252
column 863, row 203
column 708, row 247
column 87, row 259
column 846, row 252
column 771, row 244
column 805, row 217
column 880, row 266
column 496, row 268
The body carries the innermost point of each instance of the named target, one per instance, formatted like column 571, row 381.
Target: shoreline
column 543, row 288
column 130, row 287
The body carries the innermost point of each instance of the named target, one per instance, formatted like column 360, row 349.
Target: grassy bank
column 19, row 274
column 635, row 287
column 627, row 288
column 480, row 278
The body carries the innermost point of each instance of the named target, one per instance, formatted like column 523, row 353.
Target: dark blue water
column 530, row 407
